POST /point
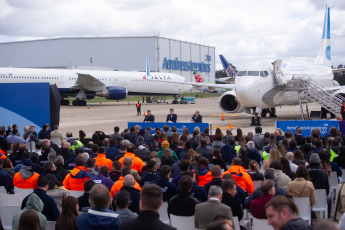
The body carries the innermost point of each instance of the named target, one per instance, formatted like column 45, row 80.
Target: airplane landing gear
column 64, row 102
column 271, row 111
column 79, row 103
column 256, row 121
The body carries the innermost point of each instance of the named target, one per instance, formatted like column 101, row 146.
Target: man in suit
column 205, row 212
column 197, row 118
column 149, row 117
column 172, row 117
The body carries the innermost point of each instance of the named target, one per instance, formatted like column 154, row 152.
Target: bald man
column 127, row 161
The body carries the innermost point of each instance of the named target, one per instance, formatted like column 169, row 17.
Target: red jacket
column 257, row 206
column 202, row 180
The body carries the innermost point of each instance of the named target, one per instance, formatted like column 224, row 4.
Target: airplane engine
column 113, row 93
column 229, row 103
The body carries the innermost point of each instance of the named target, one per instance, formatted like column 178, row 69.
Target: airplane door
column 278, row 73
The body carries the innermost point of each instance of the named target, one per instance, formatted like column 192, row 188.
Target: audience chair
column 3, row 190
column 75, row 193
column 343, row 175
column 10, row 204
column 260, row 224
column 163, row 213
column 51, row 225
column 236, row 223
column 30, row 146
column 334, row 185
column 23, row 192
column 257, row 184
column 303, row 204
column 182, row 222
column 321, row 203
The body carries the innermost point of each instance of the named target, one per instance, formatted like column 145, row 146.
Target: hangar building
column 117, row 53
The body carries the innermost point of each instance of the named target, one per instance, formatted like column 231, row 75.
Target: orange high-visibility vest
column 102, row 160
column 202, row 180
column 119, row 184
column 30, row 182
column 137, row 163
column 241, row 177
column 77, row 184
column 138, row 105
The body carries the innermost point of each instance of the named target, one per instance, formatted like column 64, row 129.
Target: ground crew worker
column 342, row 111
column 138, row 106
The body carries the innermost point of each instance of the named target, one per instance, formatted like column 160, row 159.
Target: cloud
column 240, row 30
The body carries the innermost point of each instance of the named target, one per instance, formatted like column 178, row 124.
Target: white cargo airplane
column 86, row 84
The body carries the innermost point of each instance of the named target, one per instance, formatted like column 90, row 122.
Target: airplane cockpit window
column 241, row 73
column 263, row 73
column 253, row 73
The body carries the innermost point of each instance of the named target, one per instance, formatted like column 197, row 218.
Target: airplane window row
column 24, row 77
column 252, row 73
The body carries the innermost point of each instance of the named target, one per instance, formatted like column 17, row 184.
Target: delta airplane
column 257, row 90
column 86, row 84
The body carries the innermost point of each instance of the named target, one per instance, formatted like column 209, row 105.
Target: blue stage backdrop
column 25, row 104
column 180, row 126
column 323, row 125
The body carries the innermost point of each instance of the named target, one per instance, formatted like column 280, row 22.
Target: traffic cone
column 144, row 113
column 222, row 116
column 88, row 107
column 230, row 126
column 128, row 103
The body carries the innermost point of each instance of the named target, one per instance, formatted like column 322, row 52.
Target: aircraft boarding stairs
column 310, row 90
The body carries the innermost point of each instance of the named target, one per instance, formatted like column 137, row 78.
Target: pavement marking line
column 225, row 115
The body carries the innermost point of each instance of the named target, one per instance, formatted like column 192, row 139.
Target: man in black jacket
column 172, row 117
column 149, row 117
column 148, row 219
column 230, row 199
column 197, row 118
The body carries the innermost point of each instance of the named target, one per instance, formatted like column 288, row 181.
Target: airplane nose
column 245, row 92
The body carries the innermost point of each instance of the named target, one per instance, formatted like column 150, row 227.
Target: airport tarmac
column 103, row 117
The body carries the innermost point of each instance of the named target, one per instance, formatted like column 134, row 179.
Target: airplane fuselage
column 256, row 86
column 66, row 80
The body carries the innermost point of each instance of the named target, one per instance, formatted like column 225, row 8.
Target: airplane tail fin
column 198, row 77
column 147, row 67
column 324, row 56
column 230, row 72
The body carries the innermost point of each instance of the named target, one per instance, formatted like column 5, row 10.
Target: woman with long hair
column 282, row 150
column 254, row 171
column 274, row 156
column 218, row 133
column 56, row 190
column 203, row 173
column 301, row 186
column 325, row 163
column 239, row 134
column 68, row 217
column 286, row 168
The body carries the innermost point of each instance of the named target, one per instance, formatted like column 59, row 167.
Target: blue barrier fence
column 180, row 126
column 306, row 126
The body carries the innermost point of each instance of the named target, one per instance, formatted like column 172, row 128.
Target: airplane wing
column 210, row 86
column 88, row 82
column 338, row 70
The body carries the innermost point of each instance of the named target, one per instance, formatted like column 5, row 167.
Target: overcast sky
column 240, row 30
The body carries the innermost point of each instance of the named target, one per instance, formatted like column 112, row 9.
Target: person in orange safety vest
column 240, row 175
column 102, row 160
column 119, row 184
column 75, row 179
column 26, row 177
column 137, row 163
column 138, row 106
column 203, row 173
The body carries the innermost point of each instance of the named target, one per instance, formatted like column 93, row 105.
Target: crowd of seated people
column 193, row 172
